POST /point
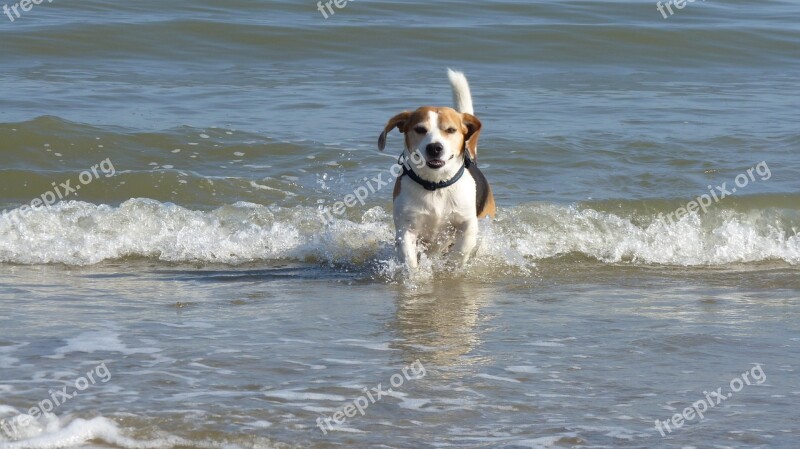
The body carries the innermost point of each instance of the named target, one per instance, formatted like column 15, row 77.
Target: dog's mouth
column 435, row 164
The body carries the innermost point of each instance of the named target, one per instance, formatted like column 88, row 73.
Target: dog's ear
column 473, row 126
column 399, row 122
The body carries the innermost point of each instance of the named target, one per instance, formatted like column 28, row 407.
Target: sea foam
column 79, row 233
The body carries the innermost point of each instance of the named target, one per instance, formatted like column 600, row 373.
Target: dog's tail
column 461, row 95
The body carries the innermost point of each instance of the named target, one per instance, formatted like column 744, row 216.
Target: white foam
column 103, row 340
column 6, row 410
column 6, row 360
column 293, row 395
column 413, row 403
column 491, row 377
column 618, row 432
column 367, row 344
column 345, row 428
column 523, row 369
column 715, row 239
column 79, row 233
column 343, row 362
column 54, row 435
column 261, row 424
column 539, row 443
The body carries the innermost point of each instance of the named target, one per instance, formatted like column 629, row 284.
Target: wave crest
column 79, row 233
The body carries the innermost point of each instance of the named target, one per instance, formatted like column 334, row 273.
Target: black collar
column 432, row 186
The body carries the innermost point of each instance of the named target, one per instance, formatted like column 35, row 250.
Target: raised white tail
column 461, row 94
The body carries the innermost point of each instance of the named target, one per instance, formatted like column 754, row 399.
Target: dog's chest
column 430, row 212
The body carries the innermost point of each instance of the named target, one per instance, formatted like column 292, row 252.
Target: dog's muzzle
column 434, row 153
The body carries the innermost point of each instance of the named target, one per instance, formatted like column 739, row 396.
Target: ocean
column 169, row 278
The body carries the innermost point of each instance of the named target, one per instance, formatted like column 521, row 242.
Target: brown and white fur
column 447, row 216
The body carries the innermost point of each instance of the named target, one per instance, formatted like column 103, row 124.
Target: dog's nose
column 434, row 149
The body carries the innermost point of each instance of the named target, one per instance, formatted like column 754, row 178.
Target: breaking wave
column 80, row 233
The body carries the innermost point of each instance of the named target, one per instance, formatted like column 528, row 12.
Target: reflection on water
column 438, row 322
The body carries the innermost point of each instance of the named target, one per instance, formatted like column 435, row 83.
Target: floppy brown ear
column 399, row 122
column 473, row 132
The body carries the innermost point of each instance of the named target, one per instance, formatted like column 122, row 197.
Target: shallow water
column 195, row 265
column 581, row 354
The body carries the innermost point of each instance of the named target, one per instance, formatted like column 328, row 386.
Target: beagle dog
column 441, row 193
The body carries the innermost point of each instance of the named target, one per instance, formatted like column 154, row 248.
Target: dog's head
column 437, row 136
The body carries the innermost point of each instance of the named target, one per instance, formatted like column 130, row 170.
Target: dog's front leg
column 407, row 247
column 466, row 241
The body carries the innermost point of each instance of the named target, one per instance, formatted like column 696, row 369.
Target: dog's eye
column 450, row 130
column 421, row 130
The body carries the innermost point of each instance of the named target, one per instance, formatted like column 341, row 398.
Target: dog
column 438, row 201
